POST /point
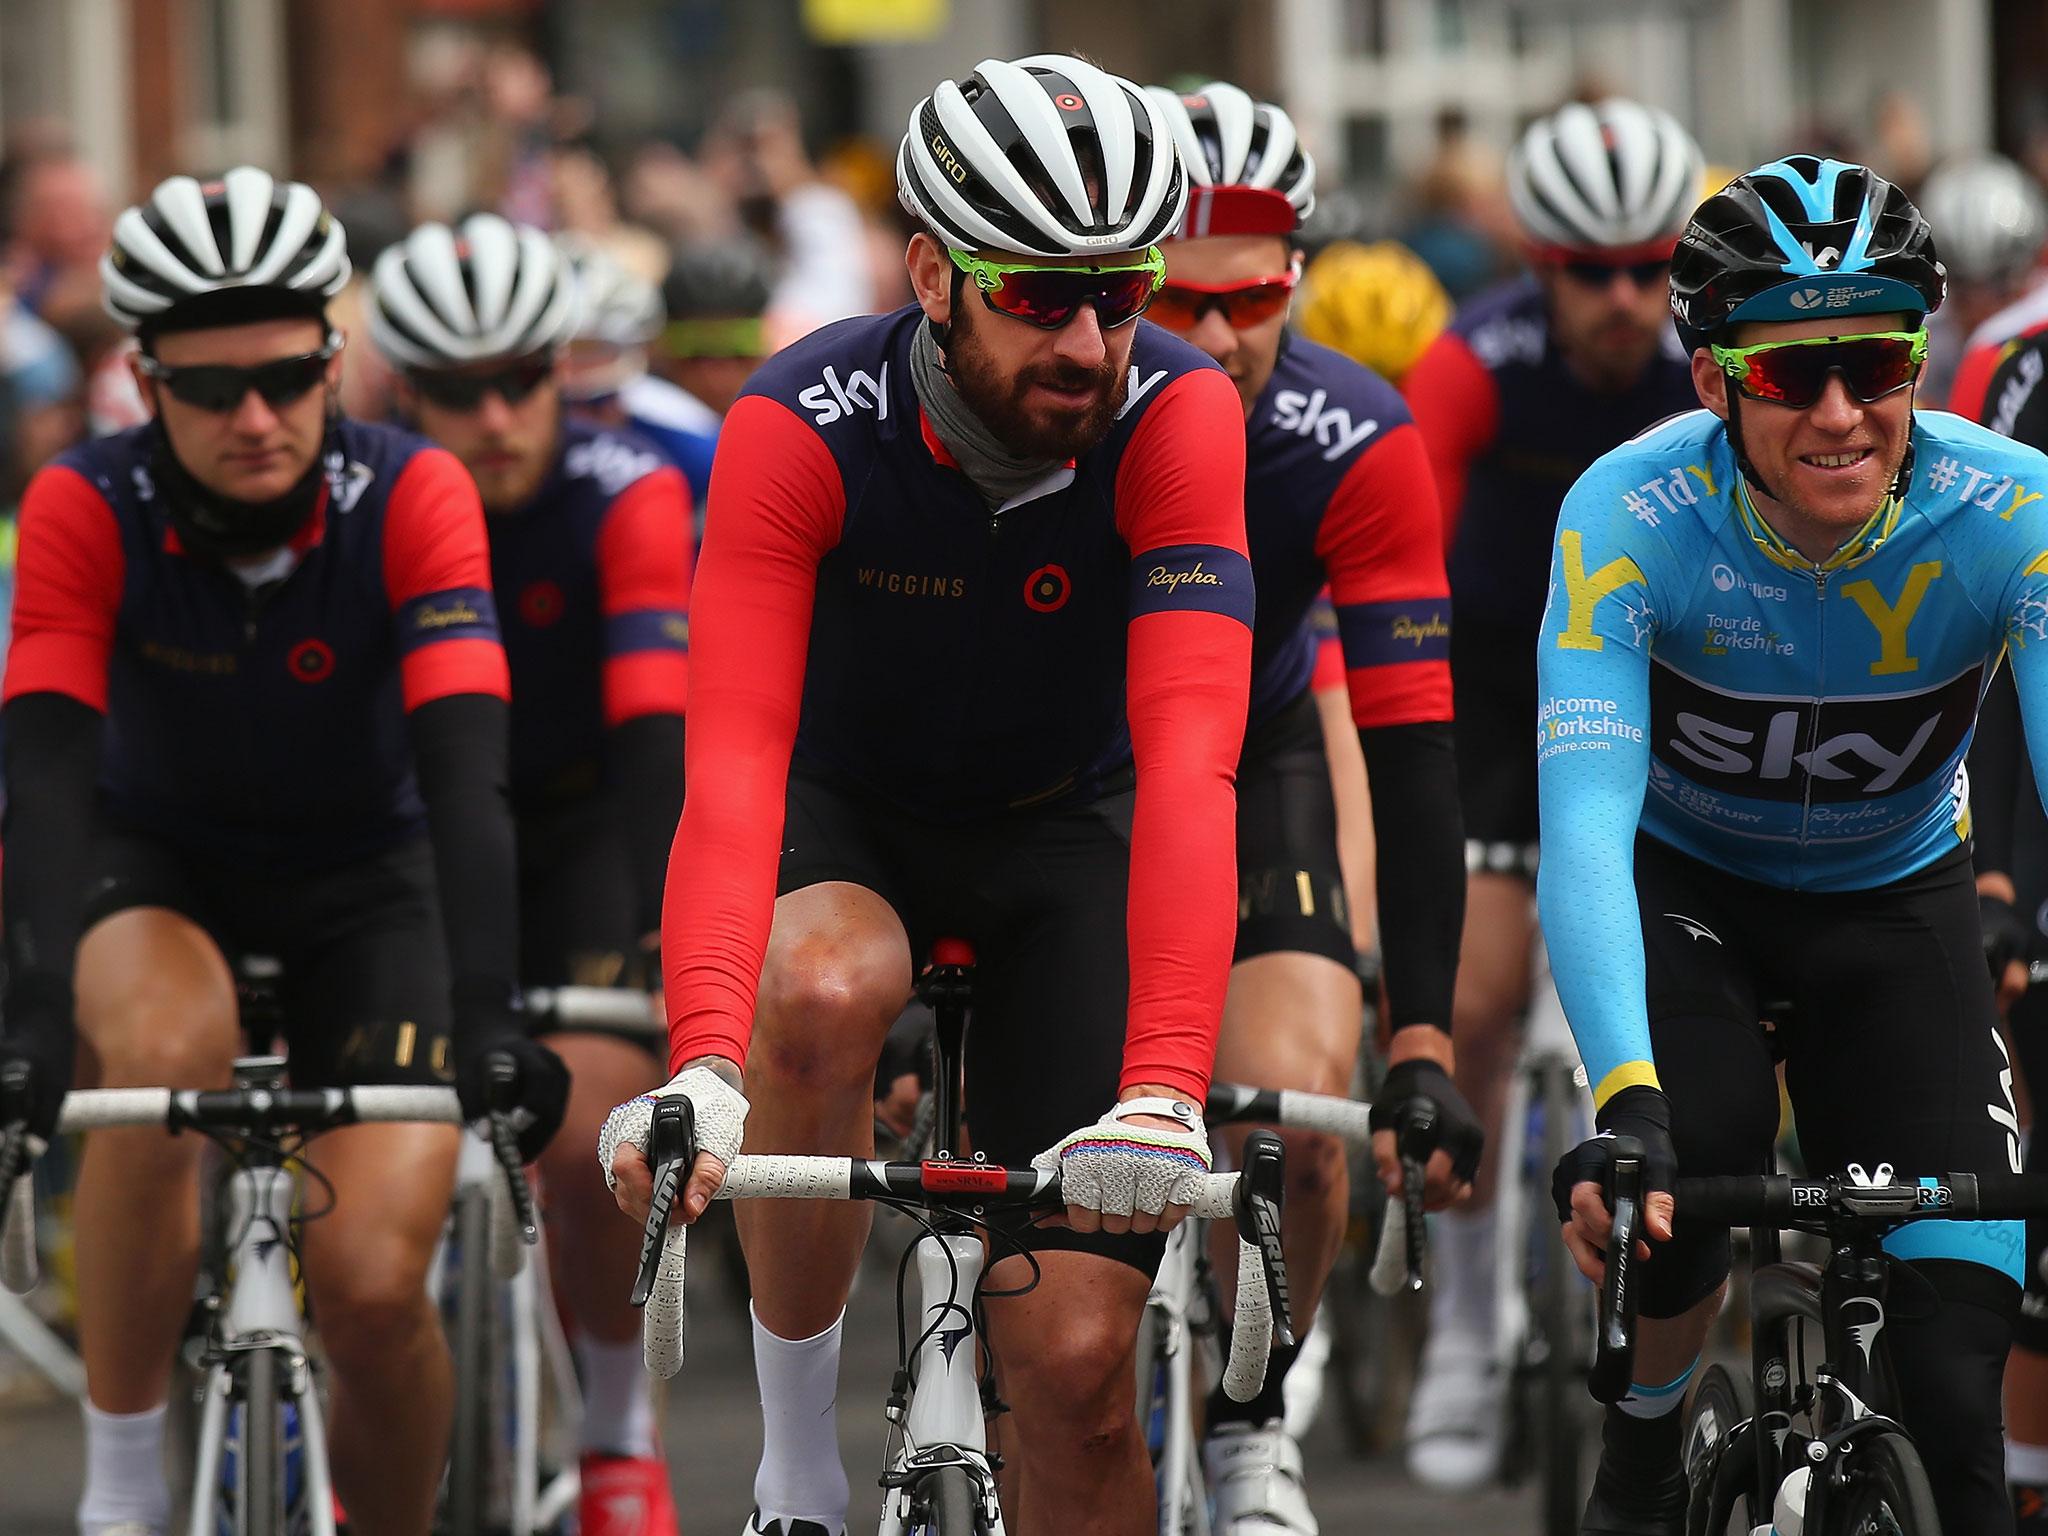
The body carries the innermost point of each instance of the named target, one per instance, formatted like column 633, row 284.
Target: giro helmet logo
column 1067, row 101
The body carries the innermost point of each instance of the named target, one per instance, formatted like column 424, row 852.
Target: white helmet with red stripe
column 1249, row 172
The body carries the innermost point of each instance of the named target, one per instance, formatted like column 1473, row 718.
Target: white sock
column 1654, row 1401
column 2026, row 1464
column 801, row 1476
column 124, row 1470
column 1461, row 1275
column 618, row 1400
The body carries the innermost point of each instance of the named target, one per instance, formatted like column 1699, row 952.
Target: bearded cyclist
column 256, row 702
column 590, row 547
column 1769, row 626
column 969, row 560
column 1530, row 385
column 1337, row 491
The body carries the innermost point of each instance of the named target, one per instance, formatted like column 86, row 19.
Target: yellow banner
column 839, row 22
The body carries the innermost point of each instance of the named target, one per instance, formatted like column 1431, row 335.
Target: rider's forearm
column 1419, row 834
column 52, row 761
column 645, row 769
column 460, row 751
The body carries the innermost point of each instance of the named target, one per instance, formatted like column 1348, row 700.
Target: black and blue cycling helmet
column 1798, row 239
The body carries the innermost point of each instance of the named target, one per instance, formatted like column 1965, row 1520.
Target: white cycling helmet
column 249, row 245
column 1613, row 176
column 1231, row 143
column 613, row 305
column 1047, row 156
column 1988, row 217
column 443, row 298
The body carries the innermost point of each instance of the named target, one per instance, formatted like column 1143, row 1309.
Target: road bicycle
column 1806, row 1440
column 261, row 1458
column 939, row 1474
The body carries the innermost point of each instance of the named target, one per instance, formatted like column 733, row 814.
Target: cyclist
column 715, row 295
column 617, row 317
column 1530, row 385
column 256, row 702
column 590, row 545
column 1769, row 626
column 1337, row 490
column 970, row 558
column 1991, row 219
column 2010, row 835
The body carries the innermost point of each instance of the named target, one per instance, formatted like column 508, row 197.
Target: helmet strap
column 1742, row 461
column 943, row 334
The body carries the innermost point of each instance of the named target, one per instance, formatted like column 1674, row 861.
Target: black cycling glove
column 1420, row 1080
column 2006, row 937
column 486, row 1026
column 40, row 1038
column 1641, row 1115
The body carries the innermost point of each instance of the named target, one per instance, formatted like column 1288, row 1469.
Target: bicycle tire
column 466, row 1499
column 1888, row 1492
column 259, row 1469
column 1561, row 1318
column 950, row 1504
column 1720, row 1464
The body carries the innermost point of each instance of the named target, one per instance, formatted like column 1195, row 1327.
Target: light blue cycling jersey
column 1797, row 725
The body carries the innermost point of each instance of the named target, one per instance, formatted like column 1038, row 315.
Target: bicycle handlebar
column 619, row 1008
column 944, row 1184
column 245, row 1111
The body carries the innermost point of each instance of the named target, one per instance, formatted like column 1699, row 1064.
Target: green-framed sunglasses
column 1793, row 373
column 1048, row 297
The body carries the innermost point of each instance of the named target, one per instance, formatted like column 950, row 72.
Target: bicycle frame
column 260, row 1311
column 1166, row 1346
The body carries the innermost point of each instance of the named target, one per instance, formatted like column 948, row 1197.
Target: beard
column 1001, row 403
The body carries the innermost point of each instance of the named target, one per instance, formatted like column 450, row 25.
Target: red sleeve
column 1379, row 545
column 69, row 571
column 1329, row 672
column 784, row 505
column 1180, row 508
column 437, row 574
column 1973, row 381
column 643, row 583
column 1456, row 406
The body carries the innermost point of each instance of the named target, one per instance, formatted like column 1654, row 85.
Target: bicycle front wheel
column 1563, row 1315
column 950, row 1505
column 259, row 1461
column 1720, row 1464
column 467, row 1458
column 1887, row 1494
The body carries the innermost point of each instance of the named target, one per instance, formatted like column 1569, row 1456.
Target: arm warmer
column 1997, row 765
column 459, row 747
column 52, row 762
column 1420, row 870
column 646, row 762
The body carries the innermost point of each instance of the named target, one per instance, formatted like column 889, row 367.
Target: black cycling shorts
column 1891, row 1056
column 1493, row 687
column 1290, row 884
column 364, row 987
column 577, row 924
column 1040, row 895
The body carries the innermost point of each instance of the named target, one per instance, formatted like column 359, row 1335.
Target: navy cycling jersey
column 989, row 669
column 1338, row 491
column 861, row 605
column 261, row 720
column 1510, row 427
column 593, row 580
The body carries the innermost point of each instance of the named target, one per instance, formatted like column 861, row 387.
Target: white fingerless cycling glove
column 720, row 1110
column 1119, row 1168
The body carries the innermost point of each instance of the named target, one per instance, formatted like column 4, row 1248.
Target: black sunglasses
column 1654, row 273
column 219, row 388
column 466, row 391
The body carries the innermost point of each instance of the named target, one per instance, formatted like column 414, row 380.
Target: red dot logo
column 311, row 661
column 1047, row 589
column 1068, row 102
column 540, row 603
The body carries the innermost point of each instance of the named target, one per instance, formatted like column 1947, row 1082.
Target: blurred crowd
column 751, row 240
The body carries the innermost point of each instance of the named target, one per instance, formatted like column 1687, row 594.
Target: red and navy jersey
column 263, row 722
column 859, row 603
column 593, row 584
column 1509, row 428
column 1338, row 491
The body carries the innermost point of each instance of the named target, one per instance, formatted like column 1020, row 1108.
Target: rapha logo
column 1330, row 426
column 832, row 398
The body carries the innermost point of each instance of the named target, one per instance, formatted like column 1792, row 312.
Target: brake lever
column 1414, row 1141
column 503, row 1075
column 1614, row 1344
column 14, row 1135
column 671, row 1151
column 1261, row 1190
